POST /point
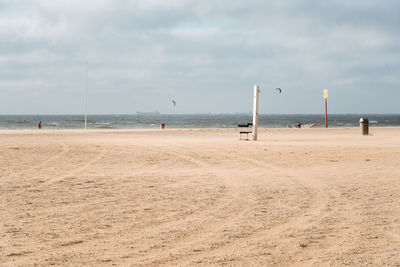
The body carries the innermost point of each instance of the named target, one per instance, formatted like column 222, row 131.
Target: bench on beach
column 245, row 130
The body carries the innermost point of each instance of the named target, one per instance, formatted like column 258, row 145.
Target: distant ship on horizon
column 148, row 113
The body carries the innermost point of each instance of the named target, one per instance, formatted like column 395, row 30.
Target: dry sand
column 200, row 197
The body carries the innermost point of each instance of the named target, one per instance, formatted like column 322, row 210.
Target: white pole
column 255, row 111
column 86, row 82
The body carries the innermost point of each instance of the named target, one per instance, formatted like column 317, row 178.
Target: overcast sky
column 206, row 55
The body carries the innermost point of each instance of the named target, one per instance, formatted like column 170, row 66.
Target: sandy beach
column 295, row 197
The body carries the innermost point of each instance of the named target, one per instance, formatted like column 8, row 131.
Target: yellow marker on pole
column 326, row 107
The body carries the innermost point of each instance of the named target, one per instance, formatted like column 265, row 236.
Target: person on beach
column 39, row 125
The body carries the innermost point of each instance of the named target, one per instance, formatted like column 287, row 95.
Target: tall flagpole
column 86, row 82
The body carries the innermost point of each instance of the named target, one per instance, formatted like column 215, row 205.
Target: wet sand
column 200, row 197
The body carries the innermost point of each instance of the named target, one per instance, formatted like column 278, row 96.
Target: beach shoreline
column 147, row 129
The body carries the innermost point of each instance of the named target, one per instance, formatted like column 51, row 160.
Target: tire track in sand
column 194, row 227
column 150, row 231
column 307, row 220
column 64, row 150
column 247, row 236
column 211, row 226
column 78, row 169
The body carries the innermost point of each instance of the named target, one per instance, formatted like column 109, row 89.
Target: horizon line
column 200, row 113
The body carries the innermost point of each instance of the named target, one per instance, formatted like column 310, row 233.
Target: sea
column 153, row 121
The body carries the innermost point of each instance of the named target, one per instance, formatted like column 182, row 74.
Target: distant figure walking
column 39, row 125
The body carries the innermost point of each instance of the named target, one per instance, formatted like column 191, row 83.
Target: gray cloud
column 207, row 56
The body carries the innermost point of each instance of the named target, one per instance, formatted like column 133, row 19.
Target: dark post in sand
column 364, row 125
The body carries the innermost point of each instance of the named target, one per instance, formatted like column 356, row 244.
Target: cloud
column 205, row 54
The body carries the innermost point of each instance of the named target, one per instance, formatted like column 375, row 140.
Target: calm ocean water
column 186, row 121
